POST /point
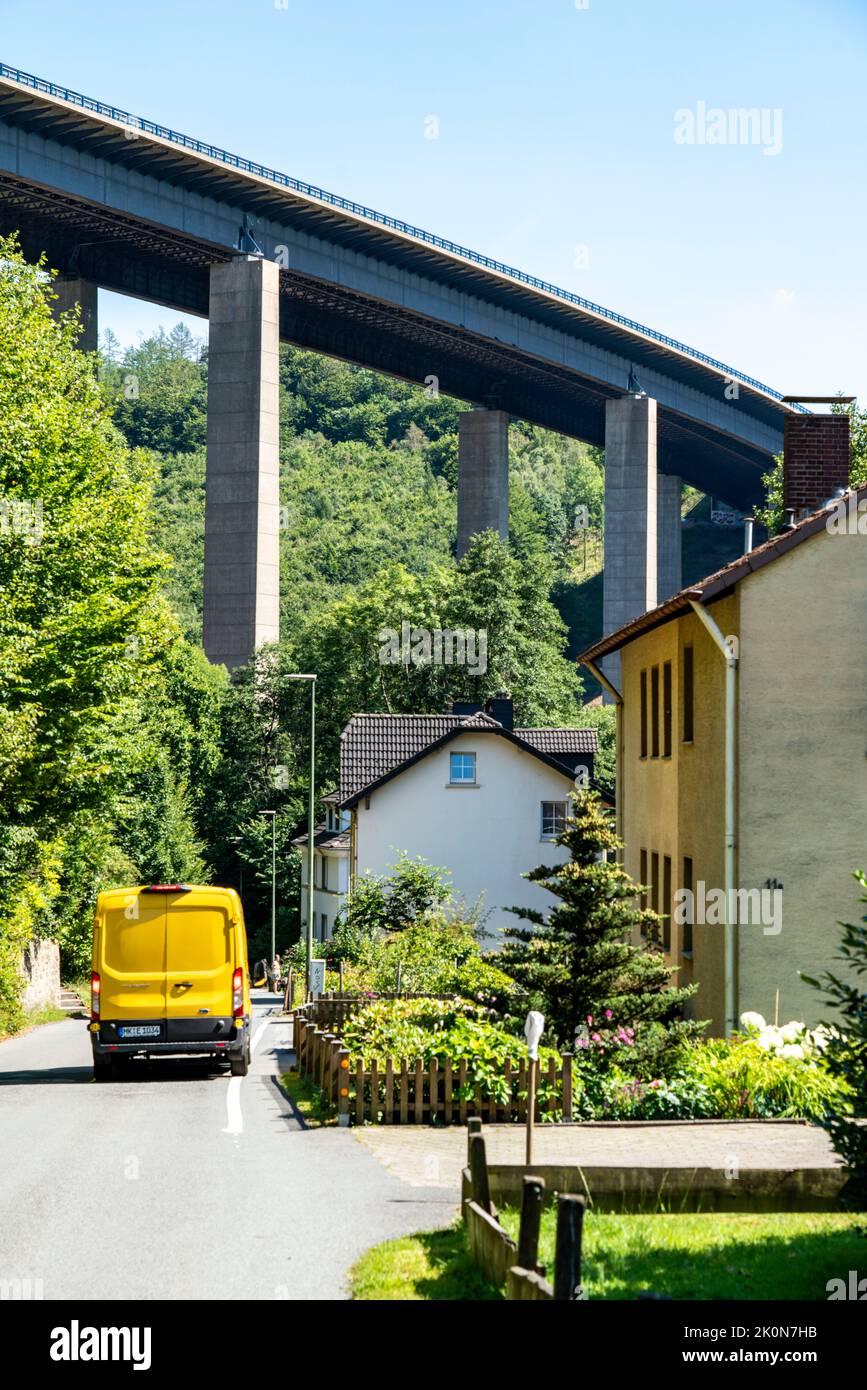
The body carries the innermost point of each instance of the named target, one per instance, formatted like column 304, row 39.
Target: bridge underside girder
column 132, row 256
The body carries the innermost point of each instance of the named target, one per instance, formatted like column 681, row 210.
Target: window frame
column 462, row 781
column 552, row 835
column 667, row 711
column 643, row 697
column 654, row 711
column 687, row 947
column 688, row 683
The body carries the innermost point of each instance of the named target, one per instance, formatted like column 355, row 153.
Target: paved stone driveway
column 425, row 1157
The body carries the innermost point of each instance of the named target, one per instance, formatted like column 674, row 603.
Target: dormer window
column 462, row 769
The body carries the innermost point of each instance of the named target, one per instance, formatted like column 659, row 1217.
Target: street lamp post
column 311, row 796
column 273, row 815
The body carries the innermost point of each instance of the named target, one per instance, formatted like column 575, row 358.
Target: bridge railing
column 249, row 166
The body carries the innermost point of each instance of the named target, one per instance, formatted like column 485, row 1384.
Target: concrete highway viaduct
column 116, row 201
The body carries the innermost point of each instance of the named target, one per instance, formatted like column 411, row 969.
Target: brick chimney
column 815, row 461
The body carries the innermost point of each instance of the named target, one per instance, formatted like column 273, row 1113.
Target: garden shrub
column 425, row 1029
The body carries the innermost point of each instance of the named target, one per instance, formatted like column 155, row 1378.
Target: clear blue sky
column 556, row 131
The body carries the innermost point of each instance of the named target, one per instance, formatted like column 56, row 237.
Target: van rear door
column 200, row 954
column 131, row 951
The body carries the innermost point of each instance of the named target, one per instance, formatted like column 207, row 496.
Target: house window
column 644, row 714
column 324, row 927
column 462, row 769
column 688, row 694
column 643, row 875
column 324, row 872
column 654, row 712
column 686, row 936
column 654, row 881
column 553, row 819
column 666, row 710
column 666, row 903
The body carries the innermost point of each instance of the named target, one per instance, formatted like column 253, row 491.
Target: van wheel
column 103, row 1069
column 240, row 1065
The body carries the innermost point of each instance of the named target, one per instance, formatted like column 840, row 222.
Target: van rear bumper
column 209, row 1036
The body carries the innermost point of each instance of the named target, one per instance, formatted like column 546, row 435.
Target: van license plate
column 142, row 1030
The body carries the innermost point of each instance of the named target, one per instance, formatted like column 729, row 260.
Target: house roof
column 375, row 747
column 722, row 581
column 325, row 839
column 556, row 741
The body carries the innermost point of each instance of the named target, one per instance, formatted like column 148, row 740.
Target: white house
column 466, row 791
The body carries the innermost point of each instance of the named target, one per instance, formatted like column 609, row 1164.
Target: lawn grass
column 711, row 1255
column 309, row 1101
column 762, row 1255
column 433, row 1266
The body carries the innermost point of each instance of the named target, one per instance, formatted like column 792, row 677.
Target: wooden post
column 343, row 1086
column 567, row 1085
column 531, row 1106
column 374, row 1089
column 479, row 1173
column 532, row 1199
column 419, row 1090
column 359, row 1091
column 433, row 1090
column 404, row 1090
column 474, row 1126
column 289, row 992
column 567, row 1259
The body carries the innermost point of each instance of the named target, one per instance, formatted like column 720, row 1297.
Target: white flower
column 790, row 1032
column 751, row 1021
column 792, row 1050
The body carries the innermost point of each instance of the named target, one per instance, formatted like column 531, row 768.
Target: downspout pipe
column 728, row 647
column 618, row 762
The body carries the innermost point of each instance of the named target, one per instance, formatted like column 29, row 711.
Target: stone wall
column 40, row 967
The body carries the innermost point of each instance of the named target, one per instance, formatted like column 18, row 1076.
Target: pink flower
column 655, row 1085
column 608, row 1013
column 589, row 1018
column 595, row 1037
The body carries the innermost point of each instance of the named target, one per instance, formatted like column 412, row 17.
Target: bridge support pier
column 483, row 475
column 669, row 578
column 72, row 290
column 242, row 492
column 629, row 577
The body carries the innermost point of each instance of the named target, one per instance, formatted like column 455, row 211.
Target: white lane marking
column 234, row 1115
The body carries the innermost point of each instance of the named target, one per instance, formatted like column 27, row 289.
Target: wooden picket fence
column 403, row 1090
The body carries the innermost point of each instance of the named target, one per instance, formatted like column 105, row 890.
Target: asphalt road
column 182, row 1182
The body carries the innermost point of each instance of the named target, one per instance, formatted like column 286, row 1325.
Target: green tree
column 159, row 391
column 578, row 964
column 846, row 1051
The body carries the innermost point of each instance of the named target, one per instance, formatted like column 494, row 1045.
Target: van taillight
column 94, row 995
column 168, row 888
column 238, row 994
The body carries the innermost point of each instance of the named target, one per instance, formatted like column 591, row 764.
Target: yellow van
column 170, row 975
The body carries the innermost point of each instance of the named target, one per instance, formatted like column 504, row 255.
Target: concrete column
column 629, row 576
column 242, row 493
column 669, row 579
column 483, row 474
column 72, row 290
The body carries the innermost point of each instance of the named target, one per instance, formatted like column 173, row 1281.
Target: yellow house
column 742, row 765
